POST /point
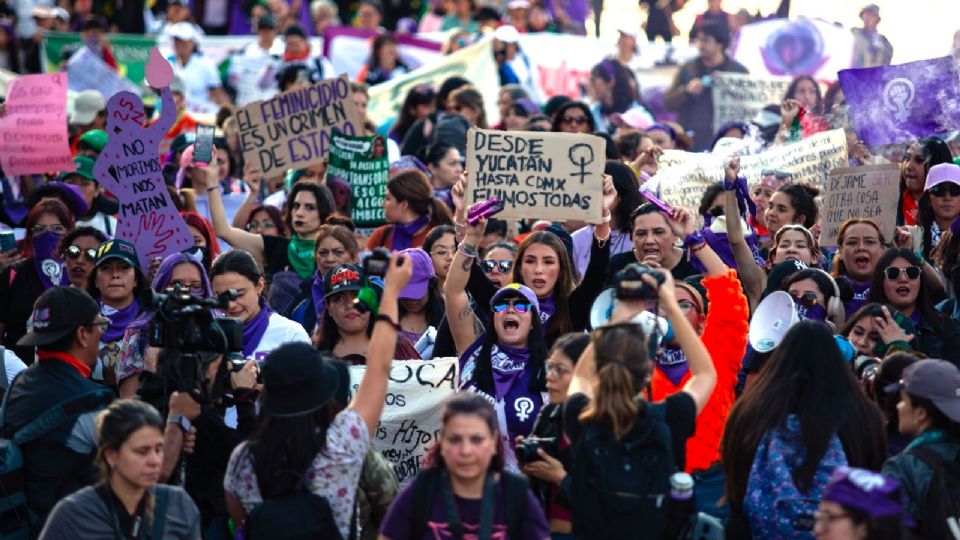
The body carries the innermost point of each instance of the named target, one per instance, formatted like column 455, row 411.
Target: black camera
column 630, row 285
column 374, row 266
column 185, row 323
column 527, row 450
column 866, row 367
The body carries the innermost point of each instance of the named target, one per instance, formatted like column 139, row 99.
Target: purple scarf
column 254, row 329
column 120, row 319
column 815, row 313
column 316, row 292
column 508, row 365
column 673, row 363
column 861, row 291
column 547, row 308
column 403, row 234
column 48, row 266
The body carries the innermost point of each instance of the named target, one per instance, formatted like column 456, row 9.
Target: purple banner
column 898, row 103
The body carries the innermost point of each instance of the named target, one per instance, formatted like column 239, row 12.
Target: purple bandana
column 403, row 234
column 673, row 363
column 815, row 313
column 254, row 329
column 120, row 319
column 316, row 292
column 45, row 261
column 876, row 494
column 508, row 365
column 861, row 290
column 547, row 308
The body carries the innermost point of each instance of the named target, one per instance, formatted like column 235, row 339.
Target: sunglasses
column 941, row 190
column 520, row 306
column 893, row 273
column 807, row 299
column 576, row 120
column 74, row 251
column 489, row 265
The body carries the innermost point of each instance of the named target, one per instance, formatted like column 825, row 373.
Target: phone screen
column 203, row 147
column 7, row 241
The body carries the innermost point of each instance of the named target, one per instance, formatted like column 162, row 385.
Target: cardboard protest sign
column 900, row 103
column 411, row 419
column 361, row 165
column 34, row 128
column 683, row 176
column 552, row 176
column 129, row 166
column 860, row 192
column 740, row 97
column 292, row 130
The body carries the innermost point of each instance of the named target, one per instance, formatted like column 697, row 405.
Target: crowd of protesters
column 685, row 411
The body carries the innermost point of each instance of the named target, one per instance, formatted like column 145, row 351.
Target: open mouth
column 539, row 283
column 861, row 260
column 903, row 291
column 77, row 271
column 298, row 223
column 510, row 324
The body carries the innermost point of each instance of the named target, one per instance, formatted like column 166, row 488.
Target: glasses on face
column 489, row 265
column 520, row 306
column 102, row 324
column 574, row 120
column 556, row 368
column 443, row 252
column 40, row 229
column 893, row 273
column 265, row 224
column 941, row 190
column 686, row 306
column 826, row 519
column 75, row 251
column 195, row 288
column 807, row 299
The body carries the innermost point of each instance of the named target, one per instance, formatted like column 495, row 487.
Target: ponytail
column 439, row 213
column 613, row 404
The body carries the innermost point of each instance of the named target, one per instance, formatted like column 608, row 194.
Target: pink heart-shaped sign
column 159, row 72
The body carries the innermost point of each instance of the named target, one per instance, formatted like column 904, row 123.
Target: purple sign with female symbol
column 129, row 166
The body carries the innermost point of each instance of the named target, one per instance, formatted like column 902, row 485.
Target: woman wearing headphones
column 817, row 296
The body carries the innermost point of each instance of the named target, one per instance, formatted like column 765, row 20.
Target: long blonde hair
column 623, row 370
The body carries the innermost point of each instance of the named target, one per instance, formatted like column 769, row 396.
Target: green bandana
column 300, row 254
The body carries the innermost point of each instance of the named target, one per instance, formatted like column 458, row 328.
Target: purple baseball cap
column 944, row 172
column 936, row 380
column 876, row 494
column 422, row 274
column 516, row 289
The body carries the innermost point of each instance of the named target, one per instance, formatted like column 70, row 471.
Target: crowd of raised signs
column 662, row 371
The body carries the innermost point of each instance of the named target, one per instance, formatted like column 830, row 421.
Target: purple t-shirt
column 397, row 524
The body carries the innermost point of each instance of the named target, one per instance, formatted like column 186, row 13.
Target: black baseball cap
column 343, row 278
column 59, row 311
column 118, row 249
column 299, row 380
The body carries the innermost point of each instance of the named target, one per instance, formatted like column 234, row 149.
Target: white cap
column 507, row 34
column 629, row 30
column 518, row 4
column 184, row 31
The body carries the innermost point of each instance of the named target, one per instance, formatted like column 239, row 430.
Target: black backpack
column 941, row 509
column 426, row 487
column 619, row 489
column 296, row 515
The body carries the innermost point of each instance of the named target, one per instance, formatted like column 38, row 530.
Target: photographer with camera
column 545, row 455
column 624, row 448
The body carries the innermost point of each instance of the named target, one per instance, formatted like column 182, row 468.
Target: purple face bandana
column 48, row 266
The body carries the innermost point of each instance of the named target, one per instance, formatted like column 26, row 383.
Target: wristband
column 468, row 250
column 693, row 239
column 388, row 320
column 210, row 189
column 605, row 218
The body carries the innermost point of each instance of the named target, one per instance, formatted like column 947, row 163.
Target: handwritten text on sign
column 412, row 412
column 292, row 130
column 35, row 126
column 739, row 97
column 360, row 164
column 552, row 176
column 860, row 192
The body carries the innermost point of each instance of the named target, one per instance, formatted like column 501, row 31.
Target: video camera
column 185, row 323
column 630, row 285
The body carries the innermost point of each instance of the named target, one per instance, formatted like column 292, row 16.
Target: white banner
column 783, row 47
column 412, row 412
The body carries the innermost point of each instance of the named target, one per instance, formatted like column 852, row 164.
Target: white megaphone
column 602, row 308
column 771, row 320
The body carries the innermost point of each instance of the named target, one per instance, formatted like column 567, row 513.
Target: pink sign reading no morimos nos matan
column 33, row 131
column 129, row 166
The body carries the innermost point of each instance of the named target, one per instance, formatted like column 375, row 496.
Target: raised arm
column 753, row 277
column 251, row 177
column 238, row 238
column 459, row 313
column 368, row 400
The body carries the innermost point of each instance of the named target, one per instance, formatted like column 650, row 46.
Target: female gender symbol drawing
column 129, row 166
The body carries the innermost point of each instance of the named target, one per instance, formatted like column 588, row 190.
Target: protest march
column 493, row 270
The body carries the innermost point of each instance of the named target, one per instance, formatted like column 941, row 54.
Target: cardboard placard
column 35, row 126
column 411, row 418
column 860, row 192
column 684, row 176
column 292, row 129
column 129, row 166
column 551, row 176
column 361, row 165
column 739, row 96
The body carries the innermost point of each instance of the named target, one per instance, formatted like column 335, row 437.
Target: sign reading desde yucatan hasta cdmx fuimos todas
column 552, row 176
column 292, row 130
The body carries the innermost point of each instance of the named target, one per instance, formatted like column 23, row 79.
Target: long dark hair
column 628, row 190
column 806, row 376
column 559, row 322
column 558, row 117
column 536, row 345
column 802, row 199
column 624, row 93
column 325, row 204
column 925, row 304
column 935, row 152
column 792, row 91
column 435, row 310
column 467, row 404
column 421, row 94
column 274, row 214
column 890, row 373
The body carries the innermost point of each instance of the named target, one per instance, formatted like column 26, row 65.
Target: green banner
column 131, row 51
column 361, row 165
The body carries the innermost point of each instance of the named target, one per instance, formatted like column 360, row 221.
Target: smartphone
column 203, row 147
column 7, row 241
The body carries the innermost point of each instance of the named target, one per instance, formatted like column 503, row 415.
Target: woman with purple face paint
column 505, row 364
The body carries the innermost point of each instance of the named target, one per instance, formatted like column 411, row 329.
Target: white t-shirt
column 12, row 365
column 280, row 330
column 104, row 223
column 199, row 75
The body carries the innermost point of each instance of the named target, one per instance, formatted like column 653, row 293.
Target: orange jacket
column 725, row 337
